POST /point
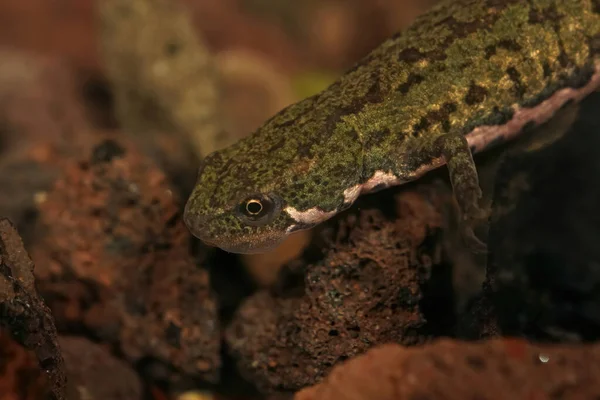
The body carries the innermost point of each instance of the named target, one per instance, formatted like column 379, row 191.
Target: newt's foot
column 476, row 216
column 465, row 184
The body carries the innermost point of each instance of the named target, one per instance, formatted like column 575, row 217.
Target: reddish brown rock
column 21, row 377
column 498, row 369
column 24, row 315
column 94, row 374
column 365, row 289
column 114, row 259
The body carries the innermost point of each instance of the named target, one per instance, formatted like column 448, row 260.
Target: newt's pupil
column 254, row 207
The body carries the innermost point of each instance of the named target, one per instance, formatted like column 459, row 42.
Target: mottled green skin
column 463, row 64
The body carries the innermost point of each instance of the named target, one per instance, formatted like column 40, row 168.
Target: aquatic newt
column 465, row 76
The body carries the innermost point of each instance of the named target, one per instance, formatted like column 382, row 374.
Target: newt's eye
column 259, row 209
column 254, row 207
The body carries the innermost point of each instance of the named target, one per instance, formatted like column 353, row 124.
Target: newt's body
column 464, row 76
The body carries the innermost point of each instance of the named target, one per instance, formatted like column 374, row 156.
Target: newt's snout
column 196, row 223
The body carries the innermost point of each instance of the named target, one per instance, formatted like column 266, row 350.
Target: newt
column 464, row 77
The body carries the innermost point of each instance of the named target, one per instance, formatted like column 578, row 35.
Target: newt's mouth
column 248, row 245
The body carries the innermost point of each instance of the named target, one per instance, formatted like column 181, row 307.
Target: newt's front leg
column 454, row 149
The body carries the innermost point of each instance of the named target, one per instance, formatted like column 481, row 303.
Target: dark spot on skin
column 373, row 96
column 107, row 151
column 304, row 150
column 354, row 136
column 437, row 116
column 410, row 55
column 515, row 77
column 277, row 145
column 504, row 115
column 419, row 127
column 287, row 123
column 475, row 362
column 376, row 138
column 338, row 170
column 476, row 94
column 580, row 77
column 547, row 14
column 509, row 45
column 449, row 107
column 289, row 111
column 446, row 125
column 563, row 58
column 335, row 117
column 396, row 35
column 413, row 79
column 547, row 69
column 381, row 135
column 437, row 55
column 495, row 117
column 463, row 29
column 535, row 16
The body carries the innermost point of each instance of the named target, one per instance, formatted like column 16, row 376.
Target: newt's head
column 250, row 196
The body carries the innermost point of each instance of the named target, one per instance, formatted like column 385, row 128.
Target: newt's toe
column 474, row 218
